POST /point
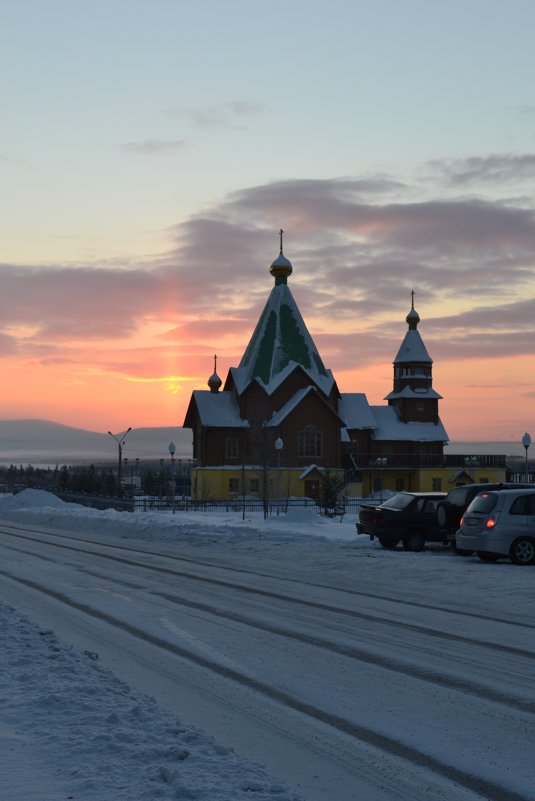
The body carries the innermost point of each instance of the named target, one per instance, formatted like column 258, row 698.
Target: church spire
column 214, row 382
column 412, row 318
column 281, row 267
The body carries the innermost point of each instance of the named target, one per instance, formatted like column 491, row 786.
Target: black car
column 457, row 501
column 407, row 517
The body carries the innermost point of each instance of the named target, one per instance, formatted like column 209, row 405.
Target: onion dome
column 214, row 382
column 281, row 267
column 412, row 318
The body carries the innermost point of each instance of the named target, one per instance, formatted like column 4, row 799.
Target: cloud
column 219, row 115
column 493, row 169
column 357, row 249
column 153, row 147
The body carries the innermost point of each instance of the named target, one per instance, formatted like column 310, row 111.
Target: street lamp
column 381, row 464
column 279, row 445
column 172, row 448
column 471, row 463
column 120, row 439
column 526, row 442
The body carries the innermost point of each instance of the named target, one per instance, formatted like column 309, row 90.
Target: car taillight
column 461, row 521
column 491, row 522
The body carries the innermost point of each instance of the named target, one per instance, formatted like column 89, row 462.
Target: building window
column 310, row 442
column 400, row 484
column 231, row 448
column 254, row 485
column 234, row 485
column 437, row 485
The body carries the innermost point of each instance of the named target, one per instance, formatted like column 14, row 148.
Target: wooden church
column 280, row 422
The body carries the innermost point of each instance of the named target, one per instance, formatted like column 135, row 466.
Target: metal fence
column 273, row 506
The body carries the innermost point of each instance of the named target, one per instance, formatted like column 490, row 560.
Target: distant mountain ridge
column 45, row 442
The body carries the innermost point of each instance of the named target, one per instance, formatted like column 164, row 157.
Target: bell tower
column 413, row 394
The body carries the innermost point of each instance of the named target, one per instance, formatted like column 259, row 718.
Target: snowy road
column 341, row 685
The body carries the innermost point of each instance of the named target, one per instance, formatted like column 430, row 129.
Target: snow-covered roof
column 277, row 417
column 291, row 404
column 391, row 427
column 310, row 469
column 218, row 409
column 356, row 412
column 412, row 349
column 280, row 343
column 415, row 392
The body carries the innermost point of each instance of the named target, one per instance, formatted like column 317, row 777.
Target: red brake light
column 490, row 522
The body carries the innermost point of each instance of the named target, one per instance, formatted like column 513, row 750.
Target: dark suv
column 408, row 517
column 452, row 508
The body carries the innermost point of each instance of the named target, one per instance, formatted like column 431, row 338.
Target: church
column 279, row 423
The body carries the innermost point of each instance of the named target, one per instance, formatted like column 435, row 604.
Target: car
column 500, row 524
column 407, row 517
column 458, row 499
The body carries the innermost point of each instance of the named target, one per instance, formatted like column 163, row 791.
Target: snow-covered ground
column 70, row 727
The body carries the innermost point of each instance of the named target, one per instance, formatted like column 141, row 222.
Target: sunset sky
column 150, row 152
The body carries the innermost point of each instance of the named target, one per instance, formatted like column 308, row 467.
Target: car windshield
column 483, row 504
column 399, row 501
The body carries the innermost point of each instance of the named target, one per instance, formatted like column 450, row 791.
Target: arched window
column 310, row 442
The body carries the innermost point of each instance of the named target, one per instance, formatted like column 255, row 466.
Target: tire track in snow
column 340, row 610
column 257, row 574
column 489, row 790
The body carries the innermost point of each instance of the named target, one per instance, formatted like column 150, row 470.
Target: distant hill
column 43, row 442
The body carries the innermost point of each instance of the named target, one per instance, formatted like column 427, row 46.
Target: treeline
column 90, row 479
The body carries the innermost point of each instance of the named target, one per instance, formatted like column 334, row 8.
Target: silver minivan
column 500, row 524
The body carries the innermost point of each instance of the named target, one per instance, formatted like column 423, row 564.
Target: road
column 346, row 693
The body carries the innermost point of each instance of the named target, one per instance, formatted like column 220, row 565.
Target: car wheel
column 388, row 542
column 485, row 556
column 522, row 551
column 414, row 541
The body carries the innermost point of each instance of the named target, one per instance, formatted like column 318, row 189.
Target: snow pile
column 106, row 742
column 42, row 508
column 31, row 499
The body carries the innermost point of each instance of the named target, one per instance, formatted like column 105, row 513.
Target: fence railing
column 273, row 506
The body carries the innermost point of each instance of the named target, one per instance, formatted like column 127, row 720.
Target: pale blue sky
column 122, row 118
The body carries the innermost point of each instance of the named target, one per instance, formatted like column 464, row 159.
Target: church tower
column 413, row 394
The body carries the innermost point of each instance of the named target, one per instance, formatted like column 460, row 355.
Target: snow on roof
column 390, row 427
column 355, row 410
column 310, row 469
column 413, row 349
column 416, row 392
column 277, row 417
column 280, row 343
column 218, row 409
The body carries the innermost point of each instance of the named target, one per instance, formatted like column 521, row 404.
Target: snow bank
column 44, row 508
column 106, row 742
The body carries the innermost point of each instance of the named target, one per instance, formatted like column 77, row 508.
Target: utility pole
column 120, row 439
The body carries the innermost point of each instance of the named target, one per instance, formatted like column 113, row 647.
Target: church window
column 234, row 485
column 231, row 448
column 254, row 485
column 310, row 442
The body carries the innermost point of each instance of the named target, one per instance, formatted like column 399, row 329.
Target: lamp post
column 172, row 448
column 279, row 445
column 526, row 442
column 381, row 464
column 120, row 440
column 471, row 463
